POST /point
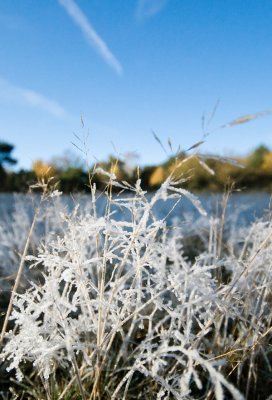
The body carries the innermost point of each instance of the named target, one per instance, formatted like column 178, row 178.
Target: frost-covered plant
column 249, row 289
column 15, row 227
column 121, row 304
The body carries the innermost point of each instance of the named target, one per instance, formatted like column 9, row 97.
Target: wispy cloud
column 92, row 36
column 149, row 8
column 17, row 94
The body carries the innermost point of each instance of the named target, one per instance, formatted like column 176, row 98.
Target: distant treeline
column 195, row 172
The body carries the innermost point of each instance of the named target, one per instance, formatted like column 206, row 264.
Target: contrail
column 92, row 36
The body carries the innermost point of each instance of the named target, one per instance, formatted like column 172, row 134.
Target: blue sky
column 129, row 67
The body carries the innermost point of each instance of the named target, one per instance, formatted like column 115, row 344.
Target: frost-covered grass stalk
column 45, row 193
column 121, row 313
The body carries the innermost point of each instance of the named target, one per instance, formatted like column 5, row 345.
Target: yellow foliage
column 224, row 172
column 115, row 169
column 185, row 168
column 42, row 169
column 157, row 177
column 267, row 163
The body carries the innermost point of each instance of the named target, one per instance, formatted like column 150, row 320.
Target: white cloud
column 28, row 97
column 92, row 36
column 149, row 8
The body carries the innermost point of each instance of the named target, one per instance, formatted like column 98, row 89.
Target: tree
column 42, row 169
column 67, row 161
column 5, row 158
column 267, row 163
column 257, row 157
column 5, row 154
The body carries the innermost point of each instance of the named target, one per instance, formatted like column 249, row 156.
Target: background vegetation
column 252, row 172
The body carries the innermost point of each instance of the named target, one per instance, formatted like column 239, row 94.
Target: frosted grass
column 123, row 313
